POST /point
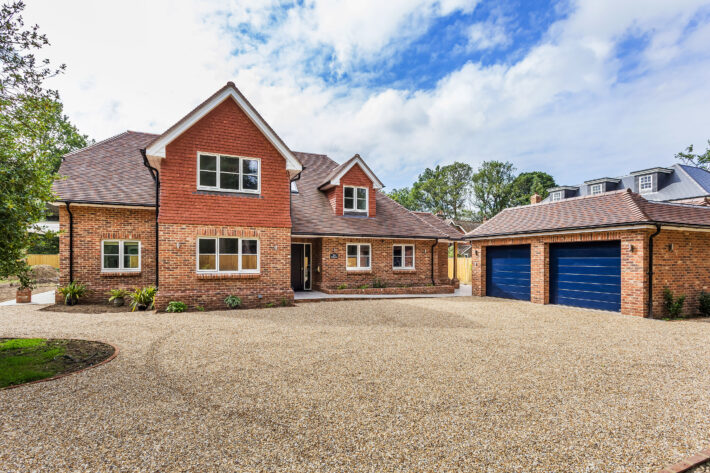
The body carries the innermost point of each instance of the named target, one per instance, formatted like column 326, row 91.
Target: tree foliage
column 492, row 188
column 529, row 183
column 407, row 197
column 693, row 159
column 34, row 134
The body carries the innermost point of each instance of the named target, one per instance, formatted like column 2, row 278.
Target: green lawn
column 28, row 359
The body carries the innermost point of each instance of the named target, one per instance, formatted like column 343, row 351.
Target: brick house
column 613, row 251
column 219, row 205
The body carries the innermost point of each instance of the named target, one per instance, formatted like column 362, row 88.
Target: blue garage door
column 508, row 272
column 586, row 275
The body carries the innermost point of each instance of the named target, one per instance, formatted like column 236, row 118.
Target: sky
column 581, row 89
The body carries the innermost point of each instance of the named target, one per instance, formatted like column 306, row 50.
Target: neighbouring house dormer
column 601, row 185
column 562, row 192
column 351, row 189
column 650, row 180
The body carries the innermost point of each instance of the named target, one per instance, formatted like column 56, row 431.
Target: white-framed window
column 358, row 256
column 595, row 189
column 403, row 257
column 227, row 255
column 556, row 196
column 120, row 255
column 355, row 199
column 646, row 183
column 218, row 172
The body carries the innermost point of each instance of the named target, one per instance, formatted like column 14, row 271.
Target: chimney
column 535, row 198
column 440, row 214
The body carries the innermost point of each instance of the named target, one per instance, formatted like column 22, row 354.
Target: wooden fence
column 463, row 269
column 52, row 260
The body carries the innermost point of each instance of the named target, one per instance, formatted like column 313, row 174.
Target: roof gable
column 333, row 178
column 156, row 149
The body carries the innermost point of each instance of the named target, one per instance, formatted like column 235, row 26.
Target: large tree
column 529, row 183
column 407, row 197
column 34, row 133
column 699, row 160
column 492, row 188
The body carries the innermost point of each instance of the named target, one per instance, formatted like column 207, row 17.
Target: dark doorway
column 301, row 266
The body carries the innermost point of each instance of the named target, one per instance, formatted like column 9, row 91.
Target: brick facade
column 354, row 177
column 92, row 225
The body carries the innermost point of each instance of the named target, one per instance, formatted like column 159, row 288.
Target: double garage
column 584, row 274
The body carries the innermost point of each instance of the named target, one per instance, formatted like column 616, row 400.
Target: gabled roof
column 312, row 214
column 333, row 177
column 108, row 172
column 619, row 208
column 156, row 148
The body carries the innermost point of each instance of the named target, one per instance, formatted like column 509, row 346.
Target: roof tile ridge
column 104, row 141
column 636, row 203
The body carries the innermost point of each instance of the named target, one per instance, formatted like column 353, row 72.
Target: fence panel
column 463, row 269
column 52, row 260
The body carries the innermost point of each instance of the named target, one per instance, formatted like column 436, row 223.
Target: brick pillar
column 478, row 269
column 634, row 273
column 441, row 263
column 539, row 273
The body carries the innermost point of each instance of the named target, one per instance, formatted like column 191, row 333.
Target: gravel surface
column 460, row 384
column 704, row 468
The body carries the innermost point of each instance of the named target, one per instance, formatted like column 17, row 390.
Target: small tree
column 693, row 159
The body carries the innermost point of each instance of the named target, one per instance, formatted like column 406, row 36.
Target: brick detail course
column 91, row 226
column 226, row 130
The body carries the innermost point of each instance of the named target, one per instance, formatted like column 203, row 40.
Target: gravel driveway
column 460, row 384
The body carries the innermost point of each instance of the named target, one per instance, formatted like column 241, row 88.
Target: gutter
column 433, row 281
column 71, row 243
column 650, row 270
column 156, row 178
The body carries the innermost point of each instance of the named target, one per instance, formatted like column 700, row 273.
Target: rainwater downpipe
column 650, row 270
column 156, row 177
column 71, row 243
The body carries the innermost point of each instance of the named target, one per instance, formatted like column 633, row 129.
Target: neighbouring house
column 464, row 226
column 678, row 183
column 219, row 205
column 614, row 251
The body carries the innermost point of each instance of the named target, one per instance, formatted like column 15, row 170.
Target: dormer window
column 646, row 183
column 556, row 196
column 595, row 189
column 218, row 172
column 355, row 199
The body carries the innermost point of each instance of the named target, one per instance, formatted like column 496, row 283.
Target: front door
column 297, row 269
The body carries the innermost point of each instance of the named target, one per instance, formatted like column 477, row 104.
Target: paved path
column 462, row 291
column 41, row 298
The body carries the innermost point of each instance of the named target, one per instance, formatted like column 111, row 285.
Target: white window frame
column 650, row 184
column 216, row 266
column 217, row 188
column 121, row 254
column 358, row 267
column 556, row 196
column 595, row 189
column 414, row 257
column 367, row 199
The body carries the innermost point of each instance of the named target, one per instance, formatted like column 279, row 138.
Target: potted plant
column 142, row 298
column 72, row 292
column 27, row 283
column 118, row 297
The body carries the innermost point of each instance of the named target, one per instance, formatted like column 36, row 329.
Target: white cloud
column 487, row 35
column 559, row 108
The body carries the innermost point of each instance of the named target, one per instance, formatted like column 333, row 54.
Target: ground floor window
column 120, row 255
column 228, row 255
column 358, row 256
column 403, row 256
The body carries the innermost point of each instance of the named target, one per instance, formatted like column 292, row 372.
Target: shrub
column 176, row 306
column 364, row 286
column 26, row 278
column 199, row 308
column 284, row 302
column 233, row 302
column 343, row 286
column 72, row 292
column 142, row 299
column 117, row 296
column 704, row 303
column 674, row 305
column 378, row 283
column 270, row 305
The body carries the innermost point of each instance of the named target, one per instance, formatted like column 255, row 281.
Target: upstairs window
column 595, row 189
column 646, row 183
column 119, row 255
column 228, row 255
column 358, row 256
column 556, row 196
column 403, row 256
column 355, row 199
column 228, row 173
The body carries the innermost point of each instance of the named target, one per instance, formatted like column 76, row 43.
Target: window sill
column 228, row 275
column 358, row 271
column 121, row 274
column 251, row 195
column 403, row 270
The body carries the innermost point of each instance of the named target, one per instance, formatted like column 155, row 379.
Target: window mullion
column 120, row 254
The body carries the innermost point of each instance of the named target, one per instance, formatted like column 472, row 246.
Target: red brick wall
column 180, row 281
column 634, row 265
column 354, row 177
column 334, row 272
column 91, row 226
column 684, row 268
column 226, row 130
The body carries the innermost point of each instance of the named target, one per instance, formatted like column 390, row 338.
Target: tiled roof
column 110, row 171
column 467, row 225
column 311, row 213
column 439, row 223
column 605, row 210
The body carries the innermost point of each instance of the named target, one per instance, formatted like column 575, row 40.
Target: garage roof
column 604, row 210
